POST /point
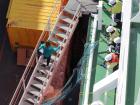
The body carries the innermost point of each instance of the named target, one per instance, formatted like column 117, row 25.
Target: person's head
column 108, row 57
column 111, row 2
column 110, row 29
column 117, row 40
column 97, row 103
column 48, row 43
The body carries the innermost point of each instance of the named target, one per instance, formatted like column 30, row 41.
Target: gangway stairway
column 41, row 76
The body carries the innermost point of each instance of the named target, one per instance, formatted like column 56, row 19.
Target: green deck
column 133, row 83
column 107, row 98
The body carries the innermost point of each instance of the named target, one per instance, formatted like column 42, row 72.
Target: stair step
column 57, row 42
column 69, row 11
column 41, row 79
column 64, row 27
column 34, row 93
column 61, row 34
column 30, row 100
column 27, row 103
column 44, row 66
column 42, row 71
column 46, row 72
column 38, row 86
column 66, row 19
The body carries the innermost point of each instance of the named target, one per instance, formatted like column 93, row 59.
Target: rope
column 88, row 46
column 69, row 86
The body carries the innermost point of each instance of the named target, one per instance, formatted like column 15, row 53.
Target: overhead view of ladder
column 41, row 77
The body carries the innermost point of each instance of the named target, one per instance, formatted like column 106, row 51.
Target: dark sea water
column 9, row 72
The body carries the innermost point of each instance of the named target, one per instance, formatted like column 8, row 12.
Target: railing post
column 24, row 86
column 100, row 15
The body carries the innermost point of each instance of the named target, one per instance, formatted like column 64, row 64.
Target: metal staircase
column 41, row 76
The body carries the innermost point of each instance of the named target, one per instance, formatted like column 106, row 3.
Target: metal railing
column 86, row 86
column 24, row 79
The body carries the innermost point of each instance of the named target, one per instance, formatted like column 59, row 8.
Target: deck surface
column 108, row 97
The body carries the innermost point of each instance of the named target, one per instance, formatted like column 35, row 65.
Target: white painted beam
column 124, row 53
column 106, row 84
column 100, row 10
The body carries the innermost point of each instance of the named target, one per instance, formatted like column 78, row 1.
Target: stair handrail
column 75, row 15
column 52, row 32
column 50, row 35
column 31, row 60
